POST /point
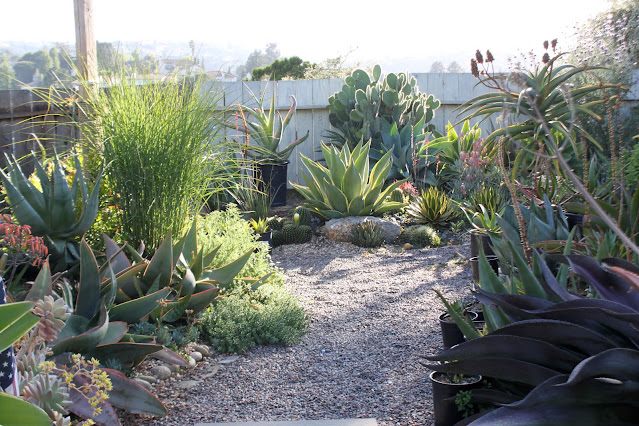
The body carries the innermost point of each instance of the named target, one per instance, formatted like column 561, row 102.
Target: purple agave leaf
column 609, row 286
column 565, row 334
column 500, row 368
column 577, row 414
column 550, row 283
column 512, row 347
column 621, row 364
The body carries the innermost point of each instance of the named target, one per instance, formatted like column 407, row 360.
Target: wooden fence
column 312, row 113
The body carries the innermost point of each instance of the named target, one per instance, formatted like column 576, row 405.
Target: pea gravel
column 373, row 312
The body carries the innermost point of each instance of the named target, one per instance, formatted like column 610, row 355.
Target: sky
column 373, row 30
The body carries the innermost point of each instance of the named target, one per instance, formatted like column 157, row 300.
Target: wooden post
column 87, row 64
column 85, row 48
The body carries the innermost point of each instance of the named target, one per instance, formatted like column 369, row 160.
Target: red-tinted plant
column 22, row 247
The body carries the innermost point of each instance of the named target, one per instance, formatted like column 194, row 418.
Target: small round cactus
column 367, row 234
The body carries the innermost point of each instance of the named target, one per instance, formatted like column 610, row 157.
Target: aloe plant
column 51, row 212
column 566, row 352
column 347, row 187
column 265, row 128
column 433, row 207
column 179, row 272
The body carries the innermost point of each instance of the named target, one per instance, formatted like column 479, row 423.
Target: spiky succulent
column 367, row 234
column 433, row 207
column 49, row 393
column 53, row 315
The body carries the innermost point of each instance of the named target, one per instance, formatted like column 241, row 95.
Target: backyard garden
column 163, row 270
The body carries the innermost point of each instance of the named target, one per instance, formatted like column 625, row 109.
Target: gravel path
column 372, row 314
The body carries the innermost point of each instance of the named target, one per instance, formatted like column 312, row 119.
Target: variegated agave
column 348, row 186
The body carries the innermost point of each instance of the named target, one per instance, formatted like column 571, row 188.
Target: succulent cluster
column 52, row 211
column 367, row 234
column 420, row 236
column 292, row 231
column 433, row 207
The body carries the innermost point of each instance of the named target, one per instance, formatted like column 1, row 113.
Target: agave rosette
column 348, row 186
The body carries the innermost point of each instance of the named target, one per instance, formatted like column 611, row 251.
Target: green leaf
column 16, row 411
column 161, row 265
column 88, row 300
column 227, row 273
column 16, row 319
column 352, row 182
column 42, row 285
column 125, row 352
column 132, row 311
column 200, row 301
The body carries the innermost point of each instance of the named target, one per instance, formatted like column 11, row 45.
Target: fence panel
column 312, row 112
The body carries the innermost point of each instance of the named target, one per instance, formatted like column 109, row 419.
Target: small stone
column 162, row 372
column 203, row 349
column 171, row 367
column 196, row 355
column 341, row 229
column 211, row 372
column 408, row 246
column 149, row 379
column 229, row 359
column 143, row 383
column 187, row 384
column 191, row 363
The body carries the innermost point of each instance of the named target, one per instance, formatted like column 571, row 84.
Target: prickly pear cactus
column 358, row 110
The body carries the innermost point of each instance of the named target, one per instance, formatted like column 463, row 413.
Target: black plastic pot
column 444, row 393
column 474, row 265
column 273, row 177
column 267, row 238
column 451, row 334
column 477, row 240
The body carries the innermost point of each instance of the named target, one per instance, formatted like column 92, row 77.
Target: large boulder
column 341, row 229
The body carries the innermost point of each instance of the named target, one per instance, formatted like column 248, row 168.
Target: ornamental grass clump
column 157, row 139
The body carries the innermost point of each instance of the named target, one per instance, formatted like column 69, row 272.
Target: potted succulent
column 260, row 226
column 451, row 333
column 446, row 387
column 263, row 129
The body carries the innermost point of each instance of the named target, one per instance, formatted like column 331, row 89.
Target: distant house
column 180, row 66
column 221, row 76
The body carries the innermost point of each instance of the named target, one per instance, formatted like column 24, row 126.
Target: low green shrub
column 235, row 237
column 269, row 316
column 420, row 236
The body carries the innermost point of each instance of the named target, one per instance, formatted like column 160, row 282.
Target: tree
column 454, row 67
column 7, row 76
column 293, row 68
column 272, row 52
column 24, row 71
column 258, row 59
column 437, row 66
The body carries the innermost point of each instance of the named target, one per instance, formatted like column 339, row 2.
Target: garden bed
column 372, row 314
